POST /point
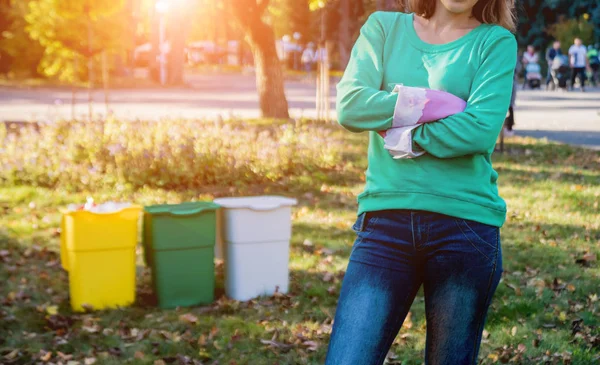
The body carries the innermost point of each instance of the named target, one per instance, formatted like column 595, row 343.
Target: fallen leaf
column 89, row 360
column 52, row 310
column 562, row 316
column 522, row 348
column 408, row 323
column 590, row 257
column 73, row 362
column 47, row 356
column 486, row 334
column 213, row 333
column 87, row 307
column 139, row 355
column 12, row 355
column 91, row 329
column 188, row 318
column 202, row 340
column 159, row 362
column 571, row 287
column 557, row 286
column 513, row 331
column 115, row 351
column 276, row 344
column 64, row 356
column 311, row 345
column 515, row 288
column 307, row 242
column 493, row 357
column 327, row 277
column 587, row 258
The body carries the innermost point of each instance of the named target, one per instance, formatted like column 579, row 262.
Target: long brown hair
column 500, row 12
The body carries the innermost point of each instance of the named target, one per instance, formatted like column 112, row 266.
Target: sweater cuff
column 409, row 106
column 399, row 142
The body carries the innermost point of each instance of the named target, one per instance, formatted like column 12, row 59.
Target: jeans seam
column 471, row 243
column 365, row 232
column 412, row 231
column 475, row 233
column 480, row 322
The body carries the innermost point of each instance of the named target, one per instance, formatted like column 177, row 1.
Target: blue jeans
column 459, row 263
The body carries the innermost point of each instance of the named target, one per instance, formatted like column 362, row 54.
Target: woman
column 529, row 57
column 430, row 212
column 509, row 122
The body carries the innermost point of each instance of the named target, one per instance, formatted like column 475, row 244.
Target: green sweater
column 455, row 177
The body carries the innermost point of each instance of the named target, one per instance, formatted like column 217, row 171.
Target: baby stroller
column 560, row 71
column 533, row 75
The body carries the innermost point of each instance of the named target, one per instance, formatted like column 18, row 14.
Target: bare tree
column 261, row 38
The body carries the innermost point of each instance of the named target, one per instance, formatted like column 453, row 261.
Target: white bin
column 256, row 233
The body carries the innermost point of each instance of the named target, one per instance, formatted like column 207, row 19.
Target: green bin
column 179, row 246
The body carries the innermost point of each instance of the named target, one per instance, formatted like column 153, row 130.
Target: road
column 572, row 117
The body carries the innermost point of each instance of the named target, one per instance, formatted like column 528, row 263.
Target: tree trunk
column 177, row 35
column 269, row 73
column 345, row 32
column 153, row 65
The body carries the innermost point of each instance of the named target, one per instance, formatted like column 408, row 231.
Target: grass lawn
column 546, row 309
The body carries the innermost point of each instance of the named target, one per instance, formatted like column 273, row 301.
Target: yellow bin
column 98, row 251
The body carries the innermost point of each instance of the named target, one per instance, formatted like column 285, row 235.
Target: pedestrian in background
column 594, row 62
column 309, row 57
column 509, row 122
column 550, row 55
column 530, row 56
column 579, row 61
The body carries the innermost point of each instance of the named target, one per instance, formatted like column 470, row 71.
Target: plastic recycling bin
column 98, row 251
column 179, row 244
column 256, row 238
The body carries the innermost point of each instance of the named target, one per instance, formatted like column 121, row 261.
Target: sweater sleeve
column 361, row 104
column 476, row 130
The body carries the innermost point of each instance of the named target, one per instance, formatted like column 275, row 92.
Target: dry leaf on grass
column 188, row 318
column 46, row 357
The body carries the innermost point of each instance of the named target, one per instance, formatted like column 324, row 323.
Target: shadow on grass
column 312, row 300
column 555, row 154
column 583, row 138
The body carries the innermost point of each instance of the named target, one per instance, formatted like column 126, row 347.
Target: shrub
column 174, row 154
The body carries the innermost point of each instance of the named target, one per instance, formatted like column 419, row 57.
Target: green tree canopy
column 75, row 30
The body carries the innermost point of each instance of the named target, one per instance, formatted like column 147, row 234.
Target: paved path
column 570, row 117
column 567, row 117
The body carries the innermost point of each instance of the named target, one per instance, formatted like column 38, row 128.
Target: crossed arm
column 363, row 106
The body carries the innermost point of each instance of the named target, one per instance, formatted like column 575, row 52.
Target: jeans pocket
column 358, row 226
column 364, row 222
column 485, row 238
